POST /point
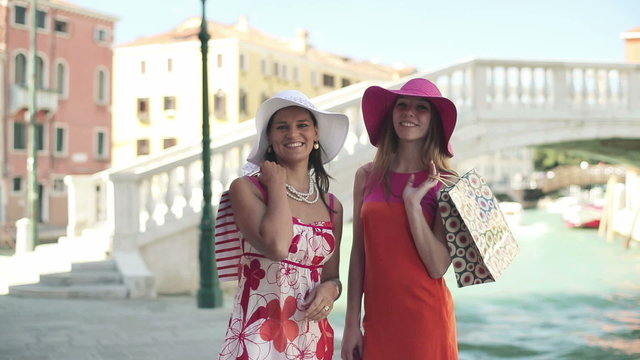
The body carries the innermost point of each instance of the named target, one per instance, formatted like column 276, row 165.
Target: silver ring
column 325, row 308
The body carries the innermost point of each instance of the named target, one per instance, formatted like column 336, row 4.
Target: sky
column 426, row 34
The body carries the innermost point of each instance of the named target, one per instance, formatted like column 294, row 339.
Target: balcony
column 46, row 99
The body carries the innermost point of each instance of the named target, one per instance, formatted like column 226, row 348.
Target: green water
column 569, row 294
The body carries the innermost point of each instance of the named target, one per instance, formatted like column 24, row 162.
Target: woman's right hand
column 272, row 175
column 352, row 343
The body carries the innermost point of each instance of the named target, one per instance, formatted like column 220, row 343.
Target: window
column 20, row 15
column 142, row 147
column 219, row 104
column 102, row 82
column 169, row 142
column 346, row 82
column 60, row 145
column 169, row 65
column 101, row 35
column 284, row 72
column 61, row 26
column 243, row 62
column 296, row 75
column 276, row 69
column 327, row 80
column 101, row 145
column 20, row 76
column 40, row 72
column 219, row 60
column 263, row 67
column 40, row 137
column 61, row 79
column 59, row 186
column 19, row 136
column 143, row 67
column 169, row 103
column 143, row 109
column 16, row 184
column 41, row 19
column 242, row 102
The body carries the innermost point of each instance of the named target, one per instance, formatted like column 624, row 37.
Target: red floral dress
column 268, row 317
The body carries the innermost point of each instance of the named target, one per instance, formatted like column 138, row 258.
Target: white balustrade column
column 81, row 203
column 126, row 211
column 480, row 88
column 633, row 98
column 560, row 89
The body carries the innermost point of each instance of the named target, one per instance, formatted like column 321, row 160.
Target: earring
column 316, row 145
column 269, row 149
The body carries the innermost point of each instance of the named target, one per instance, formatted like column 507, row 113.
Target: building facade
column 632, row 45
column 73, row 70
column 157, row 82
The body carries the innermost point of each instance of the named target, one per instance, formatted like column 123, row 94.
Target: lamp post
column 209, row 294
column 32, row 153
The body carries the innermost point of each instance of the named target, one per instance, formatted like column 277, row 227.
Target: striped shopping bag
column 228, row 241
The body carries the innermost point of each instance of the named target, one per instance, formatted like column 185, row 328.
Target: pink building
column 73, row 75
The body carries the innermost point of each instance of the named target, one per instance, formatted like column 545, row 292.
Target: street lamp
column 209, row 294
column 32, row 153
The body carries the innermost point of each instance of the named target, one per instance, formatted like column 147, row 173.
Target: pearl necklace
column 303, row 197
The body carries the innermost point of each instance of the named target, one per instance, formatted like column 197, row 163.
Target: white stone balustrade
column 501, row 104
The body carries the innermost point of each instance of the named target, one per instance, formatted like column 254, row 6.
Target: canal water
column 569, row 294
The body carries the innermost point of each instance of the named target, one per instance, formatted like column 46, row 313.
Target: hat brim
column 332, row 129
column 377, row 103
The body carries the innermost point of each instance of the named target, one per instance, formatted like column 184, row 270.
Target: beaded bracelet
column 338, row 283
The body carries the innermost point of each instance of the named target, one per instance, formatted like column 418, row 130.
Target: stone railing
column 160, row 198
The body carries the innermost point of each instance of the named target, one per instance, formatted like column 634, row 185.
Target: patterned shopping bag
column 480, row 242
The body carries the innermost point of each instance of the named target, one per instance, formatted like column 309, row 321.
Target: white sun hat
column 332, row 127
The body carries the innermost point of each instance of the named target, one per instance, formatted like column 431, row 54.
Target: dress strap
column 331, row 206
column 258, row 184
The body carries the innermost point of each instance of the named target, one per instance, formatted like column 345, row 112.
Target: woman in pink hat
column 399, row 253
column 290, row 235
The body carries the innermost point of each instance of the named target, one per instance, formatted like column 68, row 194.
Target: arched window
column 61, row 79
column 102, row 84
column 39, row 72
column 20, row 76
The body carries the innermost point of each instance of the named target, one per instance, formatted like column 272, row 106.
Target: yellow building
column 632, row 45
column 157, row 82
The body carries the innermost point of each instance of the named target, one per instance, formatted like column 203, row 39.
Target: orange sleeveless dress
column 407, row 314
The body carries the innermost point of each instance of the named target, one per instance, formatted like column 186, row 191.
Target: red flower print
column 278, row 327
column 330, row 241
column 302, row 349
column 239, row 336
column 254, row 274
column 294, row 244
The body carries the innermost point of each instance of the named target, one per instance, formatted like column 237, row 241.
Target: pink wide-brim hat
column 377, row 103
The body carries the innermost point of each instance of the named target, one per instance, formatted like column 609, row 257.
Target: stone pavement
column 169, row 327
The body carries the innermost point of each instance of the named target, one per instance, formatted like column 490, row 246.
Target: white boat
column 583, row 215
column 512, row 212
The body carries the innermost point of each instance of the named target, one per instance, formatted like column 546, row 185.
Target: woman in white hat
column 291, row 228
column 408, row 310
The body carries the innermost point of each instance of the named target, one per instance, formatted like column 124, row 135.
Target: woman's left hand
column 319, row 302
column 413, row 195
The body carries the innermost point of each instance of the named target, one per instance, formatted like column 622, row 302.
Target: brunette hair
column 315, row 160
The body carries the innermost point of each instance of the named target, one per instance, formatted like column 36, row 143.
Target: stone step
column 81, row 278
column 104, row 265
column 110, row 291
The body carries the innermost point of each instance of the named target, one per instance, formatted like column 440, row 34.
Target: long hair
column 433, row 148
column 315, row 161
